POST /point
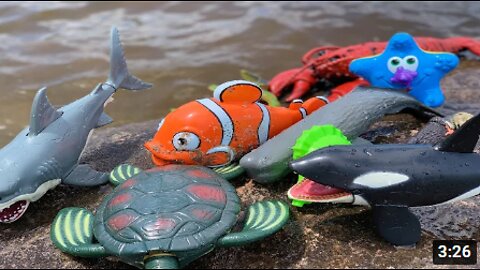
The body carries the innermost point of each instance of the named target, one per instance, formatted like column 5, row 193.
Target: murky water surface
column 182, row 47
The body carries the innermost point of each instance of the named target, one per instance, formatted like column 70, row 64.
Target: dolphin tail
column 119, row 75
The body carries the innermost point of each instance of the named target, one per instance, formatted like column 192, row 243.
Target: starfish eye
column 410, row 62
column 394, row 63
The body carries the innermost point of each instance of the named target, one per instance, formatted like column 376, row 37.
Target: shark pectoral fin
column 42, row 114
column 84, row 175
column 397, row 225
column 104, row 120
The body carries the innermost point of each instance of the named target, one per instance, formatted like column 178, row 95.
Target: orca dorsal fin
column 464, row 139
column 43, row 113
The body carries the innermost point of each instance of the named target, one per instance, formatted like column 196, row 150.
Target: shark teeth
column 13, row 209
column 14, row 212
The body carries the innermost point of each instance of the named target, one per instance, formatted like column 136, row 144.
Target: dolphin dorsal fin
column 464, row 139
column 238, row 91
column 43, row 113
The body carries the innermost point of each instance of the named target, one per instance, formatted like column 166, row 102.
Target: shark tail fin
column 119, row 75
column 464, row 139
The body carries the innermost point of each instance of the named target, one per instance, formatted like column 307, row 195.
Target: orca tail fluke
column 119, row 75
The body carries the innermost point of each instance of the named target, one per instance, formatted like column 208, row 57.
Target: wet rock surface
column 317, row 235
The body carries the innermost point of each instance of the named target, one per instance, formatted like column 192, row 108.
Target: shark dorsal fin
column 464, row 139
column 43, row 113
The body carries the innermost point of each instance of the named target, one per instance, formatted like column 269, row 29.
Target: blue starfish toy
column 404, row 65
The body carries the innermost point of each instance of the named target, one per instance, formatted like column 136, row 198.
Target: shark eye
column 160, row 124
column 410, row 62
column 183, row 141
column 394, row 63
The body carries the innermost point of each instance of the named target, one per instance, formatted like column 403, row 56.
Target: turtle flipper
column 230, row 171
column 122, row 173
column 264, row 219
column 72, row 233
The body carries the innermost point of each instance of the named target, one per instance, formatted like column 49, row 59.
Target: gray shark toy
column 46, row 153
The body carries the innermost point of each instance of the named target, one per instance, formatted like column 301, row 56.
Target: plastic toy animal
column 332, row 63
column 307, row 191
column 46, row 153
column 214, row 132
column 392, row 178
column 403, row 65
column 352, row 114
column 164, row 218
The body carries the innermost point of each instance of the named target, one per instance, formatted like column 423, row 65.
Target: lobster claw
column 302, row 79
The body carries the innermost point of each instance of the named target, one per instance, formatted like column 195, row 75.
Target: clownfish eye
column 186, row 141
column 394, row 63
column 410, row 62
column 160, row 124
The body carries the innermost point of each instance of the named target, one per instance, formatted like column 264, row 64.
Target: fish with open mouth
column 46, row 153
column 390, row 178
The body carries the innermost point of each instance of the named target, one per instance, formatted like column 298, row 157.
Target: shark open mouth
column 310, row 191
column 14, row 212
column 15, row 208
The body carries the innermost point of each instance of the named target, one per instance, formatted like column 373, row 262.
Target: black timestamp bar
column 460, row 252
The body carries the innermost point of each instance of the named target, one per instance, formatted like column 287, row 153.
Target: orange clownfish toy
column 216, row 131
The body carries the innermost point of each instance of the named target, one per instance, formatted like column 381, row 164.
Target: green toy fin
column 72, row 233
column 230, row 171
column 263, row 219
column 122, row 173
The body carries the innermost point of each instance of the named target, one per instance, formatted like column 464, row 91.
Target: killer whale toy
column 46, row 153
column 392, row 178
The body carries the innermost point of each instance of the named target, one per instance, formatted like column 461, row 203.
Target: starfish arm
column 362, row 66
column 446, row 62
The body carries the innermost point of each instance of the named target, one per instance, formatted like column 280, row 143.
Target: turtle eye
column 184, row 141
column 160, row 124
column 410, row 62
column 394, row 63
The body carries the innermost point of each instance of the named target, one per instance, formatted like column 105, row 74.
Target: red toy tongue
column 14, row 212
column 310, row 188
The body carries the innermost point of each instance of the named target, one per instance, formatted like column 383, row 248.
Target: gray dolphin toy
column 352, row 114
column 46, row 153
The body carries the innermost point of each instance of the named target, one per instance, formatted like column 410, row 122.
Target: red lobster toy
column 331, row 63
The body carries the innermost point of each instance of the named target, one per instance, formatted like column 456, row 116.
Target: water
column 182, row 47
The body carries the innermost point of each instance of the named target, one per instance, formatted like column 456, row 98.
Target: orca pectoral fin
column 104, row 120
column 84, row 175
column 397, row 225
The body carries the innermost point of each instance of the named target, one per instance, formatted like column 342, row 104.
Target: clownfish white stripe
column 217, row 94
column 303, row 112
column 264, row 127
column 323, row 98
column 223, row 117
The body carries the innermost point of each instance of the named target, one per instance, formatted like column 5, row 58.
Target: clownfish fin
column 312, row 105
column 238, row 91
column 296, row 104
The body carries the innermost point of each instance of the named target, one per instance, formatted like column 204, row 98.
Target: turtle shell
column 172, row 209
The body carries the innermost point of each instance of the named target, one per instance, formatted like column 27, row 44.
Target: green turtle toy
column 164, row 218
